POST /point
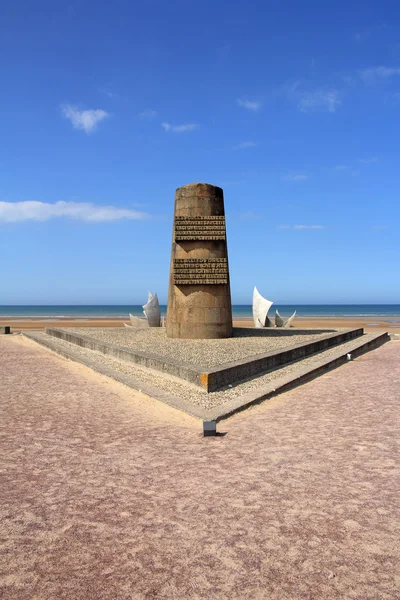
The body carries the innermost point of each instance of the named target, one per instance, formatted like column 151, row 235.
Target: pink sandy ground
column 107, row 494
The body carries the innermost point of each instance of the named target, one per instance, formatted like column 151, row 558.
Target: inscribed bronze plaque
column 200, row 228
column 198, row 271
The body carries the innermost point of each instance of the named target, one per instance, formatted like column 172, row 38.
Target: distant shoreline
column 240, row 311
column 369, row 323
column 236, row 317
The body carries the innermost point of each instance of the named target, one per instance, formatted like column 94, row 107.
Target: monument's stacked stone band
column 199, row 299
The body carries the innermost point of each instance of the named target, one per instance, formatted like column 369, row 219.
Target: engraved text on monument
column 200, row 228
column 197, row 271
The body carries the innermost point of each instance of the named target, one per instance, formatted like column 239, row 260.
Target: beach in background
column 372, row 317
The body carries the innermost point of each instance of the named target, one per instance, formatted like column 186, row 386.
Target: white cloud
column 319, row 99
column 179, row 128
column 368, row 161
column 301, row 227
column 375, row 73
column 244, row 145
column 83, row 119
column 249, row 104
column 249, row 216
column 107, row 92
column 149, row 113
column 309, row 227
column 348, row 79
column 360, row 36
column 291, row 88
column 233, row 182
column 295, row 177
column 350, row 169
column 32, row 210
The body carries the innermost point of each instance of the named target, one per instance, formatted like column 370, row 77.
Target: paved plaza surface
column 107, row 494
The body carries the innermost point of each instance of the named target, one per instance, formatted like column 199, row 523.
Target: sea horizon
column 88, row 311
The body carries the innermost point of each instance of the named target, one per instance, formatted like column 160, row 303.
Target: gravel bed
column 203, row 353
column 180, row 389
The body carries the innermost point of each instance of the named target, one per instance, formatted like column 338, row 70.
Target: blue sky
column 291, row 107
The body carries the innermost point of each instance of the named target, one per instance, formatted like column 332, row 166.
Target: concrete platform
column 212, row 406
column 224, row 372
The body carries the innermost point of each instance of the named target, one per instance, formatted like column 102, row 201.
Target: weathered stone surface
column 199, row 299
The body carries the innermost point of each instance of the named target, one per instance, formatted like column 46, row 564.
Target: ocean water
column 306, row 310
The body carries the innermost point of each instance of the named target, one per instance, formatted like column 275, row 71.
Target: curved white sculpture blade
column 152, row 311
column 138, row 323
column 261, row 307
column 290, row 319
column 280, row 322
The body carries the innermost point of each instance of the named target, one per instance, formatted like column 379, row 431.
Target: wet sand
column 370, row 324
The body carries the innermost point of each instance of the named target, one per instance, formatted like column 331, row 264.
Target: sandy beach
column 370, row 324
column 108, row 494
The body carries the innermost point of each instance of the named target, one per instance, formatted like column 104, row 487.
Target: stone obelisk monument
column 199, row 298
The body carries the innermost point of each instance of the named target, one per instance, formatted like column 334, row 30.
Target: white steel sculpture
column 137, row 322
column 286, row 323
column 151, row 312
column 261, row 307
